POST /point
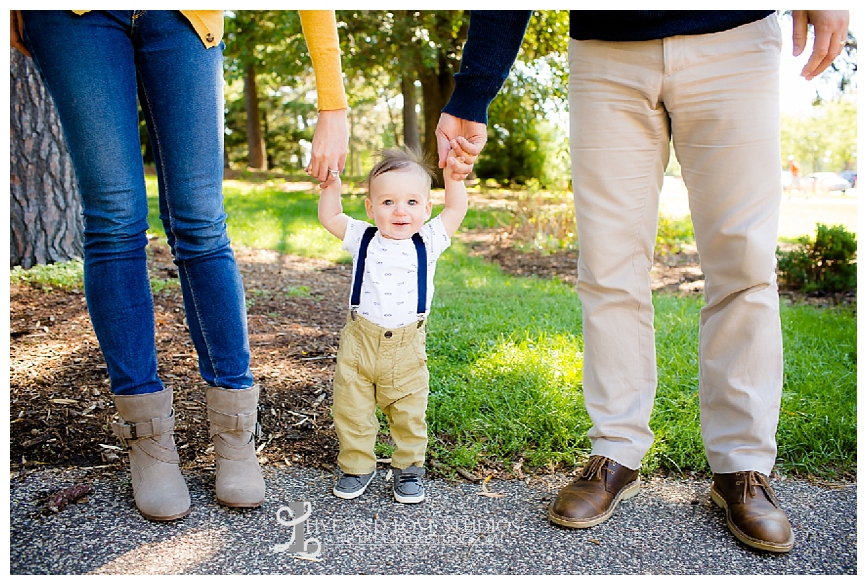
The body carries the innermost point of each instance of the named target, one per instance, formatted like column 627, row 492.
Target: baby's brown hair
column 400, row 159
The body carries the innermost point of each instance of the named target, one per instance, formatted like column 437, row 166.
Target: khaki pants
column 385, row 367
column 717, row 97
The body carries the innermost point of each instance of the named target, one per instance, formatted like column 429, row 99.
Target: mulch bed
column 61, row 406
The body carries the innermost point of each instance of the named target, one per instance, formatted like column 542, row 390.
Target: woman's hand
column 330, row 142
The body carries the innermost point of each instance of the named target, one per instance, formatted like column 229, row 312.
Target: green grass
column 66, row 275
column 505, row 355
column 505, row 362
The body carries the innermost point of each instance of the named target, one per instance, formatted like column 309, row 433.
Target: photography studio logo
column 295, row 516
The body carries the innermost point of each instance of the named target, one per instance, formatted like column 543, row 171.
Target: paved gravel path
column 671, row 527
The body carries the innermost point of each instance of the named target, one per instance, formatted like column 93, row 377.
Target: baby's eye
column 388, row 202
column 413, row 202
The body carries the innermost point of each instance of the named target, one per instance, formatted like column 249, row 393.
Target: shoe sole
column 165, row 518
column 236, row 505
column 747, row 540
column 627, row 492
column 352, row 495
column 408, row 499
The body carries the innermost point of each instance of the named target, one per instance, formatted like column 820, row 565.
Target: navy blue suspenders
column 421, row 252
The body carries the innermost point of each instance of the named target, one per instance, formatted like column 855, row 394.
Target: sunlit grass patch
column 65, row 275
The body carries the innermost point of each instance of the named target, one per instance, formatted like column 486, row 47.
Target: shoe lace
column 752, row 481
column 408, row 478
column 593, row 467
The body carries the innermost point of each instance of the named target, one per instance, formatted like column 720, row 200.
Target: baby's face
column 399, row 203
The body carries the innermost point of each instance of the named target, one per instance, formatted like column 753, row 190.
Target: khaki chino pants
column 716, row 97
column 385, row 367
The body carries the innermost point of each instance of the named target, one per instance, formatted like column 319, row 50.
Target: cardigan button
column 388, row 334
column 210, row 38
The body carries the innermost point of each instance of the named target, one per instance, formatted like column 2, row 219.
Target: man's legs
column 729, row 151
column 620, row 145
column 728, row 147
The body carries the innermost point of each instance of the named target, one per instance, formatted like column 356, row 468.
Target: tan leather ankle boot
column 232, row 417
column 146, row 427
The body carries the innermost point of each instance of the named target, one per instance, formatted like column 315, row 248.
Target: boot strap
column 159, row 452
column 222, row 422
column 155, row 427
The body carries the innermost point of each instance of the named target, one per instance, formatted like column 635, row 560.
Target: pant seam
column 182, row 265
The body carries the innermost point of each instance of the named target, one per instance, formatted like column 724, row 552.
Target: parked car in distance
column 824, row 182
column 851, row 176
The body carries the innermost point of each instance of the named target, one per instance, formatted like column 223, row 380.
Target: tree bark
column 437, row 86
column 46, row 224
column 411, row 137
column 255, row 138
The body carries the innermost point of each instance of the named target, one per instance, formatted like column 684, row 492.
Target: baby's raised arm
column 331, row 214
column 456, row 197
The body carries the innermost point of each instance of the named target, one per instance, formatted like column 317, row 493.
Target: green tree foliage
column 527, row 122
column 410, row 53
column 824, row 140
column 275, row 109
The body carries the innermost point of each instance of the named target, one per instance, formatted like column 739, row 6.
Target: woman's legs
column 88, row 65
column 93, row 65
column 181, row 94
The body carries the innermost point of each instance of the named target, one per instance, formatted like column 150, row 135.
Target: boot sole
column 747, row 540
column 627, row 492
column 236, row 505
column 165, row 518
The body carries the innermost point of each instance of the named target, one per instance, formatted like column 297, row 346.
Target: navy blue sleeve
column 493, row 41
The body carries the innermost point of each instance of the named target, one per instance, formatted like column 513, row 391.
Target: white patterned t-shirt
column 389, row 289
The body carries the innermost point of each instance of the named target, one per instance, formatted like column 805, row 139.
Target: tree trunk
column 255, row 139
column 46, row 225
column 411, row 136
column 437, row 86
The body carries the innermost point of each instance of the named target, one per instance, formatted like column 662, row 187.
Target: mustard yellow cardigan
column 320, row 32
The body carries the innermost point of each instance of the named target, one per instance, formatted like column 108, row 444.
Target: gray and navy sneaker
column 350, row 486
column 408, row 488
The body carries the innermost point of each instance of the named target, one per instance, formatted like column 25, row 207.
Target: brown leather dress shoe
column 753, row 513
column 592, row 497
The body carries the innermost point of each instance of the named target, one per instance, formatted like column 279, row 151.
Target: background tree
column 824, row 139
column 44, row 208
column 265, row 49
column 528, row 121
column 407, row 51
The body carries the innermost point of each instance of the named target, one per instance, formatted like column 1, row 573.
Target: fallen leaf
column 61, row 499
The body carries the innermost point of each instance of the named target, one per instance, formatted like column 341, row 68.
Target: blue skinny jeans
column 96, row 66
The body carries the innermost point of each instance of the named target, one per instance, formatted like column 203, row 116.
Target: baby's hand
column 332, row 183
column 453, row 162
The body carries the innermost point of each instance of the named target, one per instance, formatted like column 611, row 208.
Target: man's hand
column 16, row 33
column 330, row 144
column 464, row 139
column 830, row 28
